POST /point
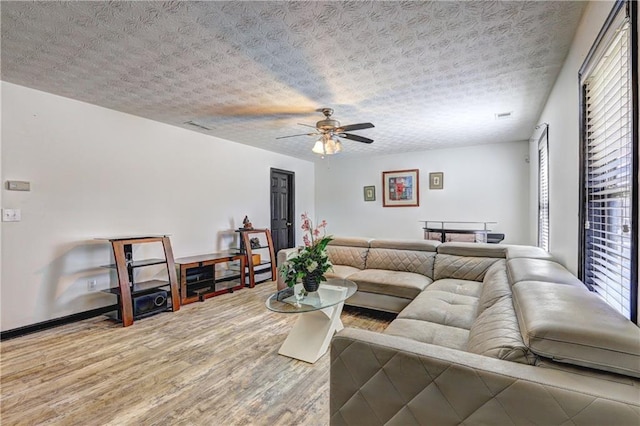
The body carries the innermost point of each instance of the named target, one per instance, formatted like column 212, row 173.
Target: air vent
column 503, row 115
column 201, row 126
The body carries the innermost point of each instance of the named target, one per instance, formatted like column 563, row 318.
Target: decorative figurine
column 247, row 223
column 255, row 243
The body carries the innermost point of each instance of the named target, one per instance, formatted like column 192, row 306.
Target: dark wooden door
column 282, row 211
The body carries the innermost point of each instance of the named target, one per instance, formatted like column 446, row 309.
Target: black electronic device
column 150, row 303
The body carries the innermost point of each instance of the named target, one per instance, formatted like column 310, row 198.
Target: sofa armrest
column 282, row 256
column 383, row 379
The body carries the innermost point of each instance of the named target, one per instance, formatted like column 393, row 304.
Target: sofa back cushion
column 516, row 251
column 496, row 333
column 495, row 285
column 525, row 269
column 419, row 262
column 402, row 255
column 461, row 267
column 570, row 324
column 473, row 249
column 348, row 251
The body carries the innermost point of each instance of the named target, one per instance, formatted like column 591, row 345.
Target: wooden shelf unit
column 128, row 289
column 266, row 269
column 199, row 279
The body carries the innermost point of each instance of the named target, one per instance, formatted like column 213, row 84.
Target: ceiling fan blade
column 351, row 127
column 307, row 125
column 301, row 134
column 355, row 138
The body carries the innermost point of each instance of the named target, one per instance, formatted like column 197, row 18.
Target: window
column 609, row 238
column 543, row 189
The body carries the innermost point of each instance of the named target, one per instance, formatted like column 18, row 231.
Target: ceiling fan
column 330, row 130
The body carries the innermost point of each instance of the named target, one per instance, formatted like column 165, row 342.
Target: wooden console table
column 199, row 279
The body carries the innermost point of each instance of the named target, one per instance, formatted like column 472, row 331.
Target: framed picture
column 400, row 188
column 436, row 180
column 370, row 193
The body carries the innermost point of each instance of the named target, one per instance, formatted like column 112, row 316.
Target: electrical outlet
column 92, row 284
column 11, row 215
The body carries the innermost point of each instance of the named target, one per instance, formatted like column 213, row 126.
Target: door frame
column 291, row 201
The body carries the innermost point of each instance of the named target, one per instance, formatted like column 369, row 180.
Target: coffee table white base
column 311, row 335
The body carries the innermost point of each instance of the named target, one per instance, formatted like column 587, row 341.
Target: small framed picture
column 370, row 193
column 436, row 180
column 400, row 188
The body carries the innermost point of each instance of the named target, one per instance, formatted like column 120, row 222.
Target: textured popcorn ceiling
column 427, row 74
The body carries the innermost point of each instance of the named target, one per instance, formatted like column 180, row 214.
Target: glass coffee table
column 319, row 317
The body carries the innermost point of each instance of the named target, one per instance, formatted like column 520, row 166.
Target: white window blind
column 608, row 164
column 543, row 191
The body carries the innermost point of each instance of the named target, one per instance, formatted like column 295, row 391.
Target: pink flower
column 306, row 241
column 322, row 224
column 316, row 232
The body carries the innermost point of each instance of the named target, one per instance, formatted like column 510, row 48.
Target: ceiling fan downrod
column 328, row 123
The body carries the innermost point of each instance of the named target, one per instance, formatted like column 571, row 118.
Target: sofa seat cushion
column 393, row 283
column 570, row 324
column 429, row 332
column 455, row 286
column 341, row 271
column 442, row 307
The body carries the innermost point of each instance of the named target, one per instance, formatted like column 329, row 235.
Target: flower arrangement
column 312, row 261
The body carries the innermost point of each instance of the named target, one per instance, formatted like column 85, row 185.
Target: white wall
column 97, row 172
column 562, row 113
column 481, row 183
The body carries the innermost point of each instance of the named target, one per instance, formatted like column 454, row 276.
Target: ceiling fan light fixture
column 318, row 148
column 327, row 145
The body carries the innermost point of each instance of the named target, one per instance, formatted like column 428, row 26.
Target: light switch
column 18, row 185
column 11, row 215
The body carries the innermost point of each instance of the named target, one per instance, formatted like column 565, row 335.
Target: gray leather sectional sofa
column 485, row 334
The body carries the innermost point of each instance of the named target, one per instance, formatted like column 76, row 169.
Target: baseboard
column 56, row 322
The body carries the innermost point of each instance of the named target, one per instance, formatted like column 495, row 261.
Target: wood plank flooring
column 211, row 363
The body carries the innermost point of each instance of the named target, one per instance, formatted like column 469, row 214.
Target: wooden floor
column 211, row 363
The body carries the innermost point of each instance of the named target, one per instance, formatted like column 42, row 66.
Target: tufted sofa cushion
column 419, row 262
column 451, row 305
column 379, row 379
column 461, row 267
column 496, row 333
column 348, row 251
column 442, row 314
column 495, row 285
